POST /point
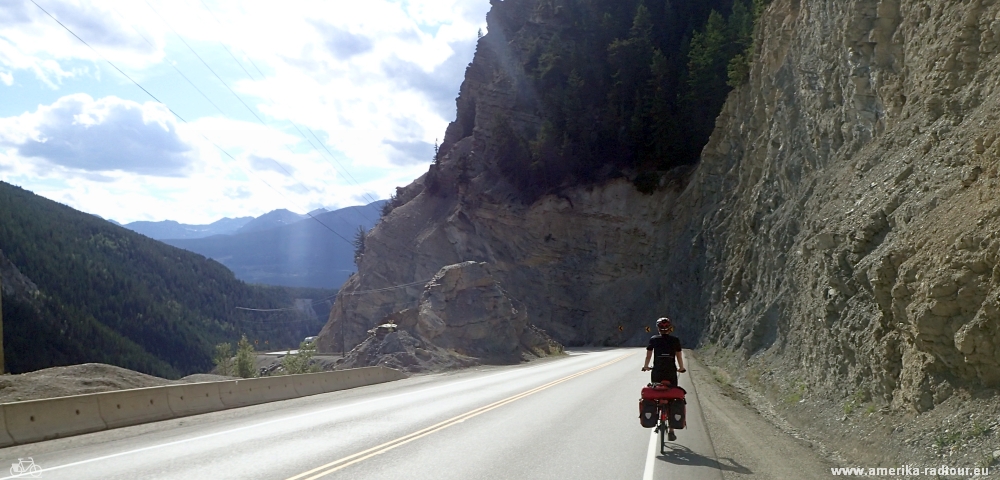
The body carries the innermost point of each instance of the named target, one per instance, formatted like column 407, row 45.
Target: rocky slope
column 586, row 263
column 849, row 199
column 842, row 223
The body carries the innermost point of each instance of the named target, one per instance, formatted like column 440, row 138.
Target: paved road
column 571, row 417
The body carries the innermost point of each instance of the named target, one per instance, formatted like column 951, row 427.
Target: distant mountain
column 315, row 252
column 171, row 229
column 272, row 219
column 106, row 219
column 79, row 289
column 317, row 211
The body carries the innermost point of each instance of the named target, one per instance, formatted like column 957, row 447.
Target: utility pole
column 3, row 366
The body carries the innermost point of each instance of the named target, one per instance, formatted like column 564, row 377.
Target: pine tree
column 246, row 359
column 223, row 359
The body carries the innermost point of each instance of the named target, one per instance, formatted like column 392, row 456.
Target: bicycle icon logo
column 25, row 466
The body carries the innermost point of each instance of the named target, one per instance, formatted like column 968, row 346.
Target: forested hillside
column 109, row 295
column 624, row 87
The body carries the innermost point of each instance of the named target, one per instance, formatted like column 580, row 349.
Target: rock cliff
column 842, row 221
column 586, row 263
column 463, row 317
column 848, row 198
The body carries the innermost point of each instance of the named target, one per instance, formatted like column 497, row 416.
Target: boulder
column 463, row 318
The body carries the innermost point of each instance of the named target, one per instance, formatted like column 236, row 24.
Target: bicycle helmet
column 664, row 326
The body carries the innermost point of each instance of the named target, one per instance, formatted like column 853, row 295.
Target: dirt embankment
column 82, row 379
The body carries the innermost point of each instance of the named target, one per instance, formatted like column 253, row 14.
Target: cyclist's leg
column 670, row 376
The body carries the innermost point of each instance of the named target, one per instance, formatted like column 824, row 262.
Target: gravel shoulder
column 747, row 443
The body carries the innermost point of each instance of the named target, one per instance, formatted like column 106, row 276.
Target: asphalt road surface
column 569, row 417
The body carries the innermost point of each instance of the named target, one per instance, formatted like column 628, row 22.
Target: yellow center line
column 385, row 447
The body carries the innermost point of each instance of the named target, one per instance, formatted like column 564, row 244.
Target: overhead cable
column 360, row 292
column 368, row 197
column 179, row 117
column 225, row 84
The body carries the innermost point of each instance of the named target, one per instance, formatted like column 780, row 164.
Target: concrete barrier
column 194, row 398
column 310, row 383
column 390, row 374
column 132, row 407
column 37, row 420
column 253, row 391
column 5, row 439
column 323, row 382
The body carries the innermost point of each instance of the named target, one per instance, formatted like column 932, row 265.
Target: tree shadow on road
column 681, row 455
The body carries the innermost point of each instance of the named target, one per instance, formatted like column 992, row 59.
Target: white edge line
column 647, row 473
column 282, row 419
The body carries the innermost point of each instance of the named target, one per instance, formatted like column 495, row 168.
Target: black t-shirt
column 664, row 347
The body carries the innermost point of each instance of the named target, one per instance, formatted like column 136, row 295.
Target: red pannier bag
column 663, row 392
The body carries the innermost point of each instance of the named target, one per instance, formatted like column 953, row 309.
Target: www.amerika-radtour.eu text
column 910, row 471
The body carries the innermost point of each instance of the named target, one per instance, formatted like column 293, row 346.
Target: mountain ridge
column 169, row 229
column 313, row 252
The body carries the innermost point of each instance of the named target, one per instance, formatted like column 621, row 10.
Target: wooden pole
column 3, row 366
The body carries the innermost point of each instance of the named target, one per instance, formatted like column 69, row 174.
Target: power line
column 313, row 304
column 210, row 12
column 109, row 61
column 342, row 169
column 361, row 292
column 332, row 156
column 179, row 72
column 182, row 119
column 217, row 76
column 210, row 69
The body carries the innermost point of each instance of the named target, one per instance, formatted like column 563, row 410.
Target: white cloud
column 31, row 40
column 110, row 134
column 375, row 80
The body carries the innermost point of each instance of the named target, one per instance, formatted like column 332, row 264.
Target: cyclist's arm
column 649, row 354
column 680, row 361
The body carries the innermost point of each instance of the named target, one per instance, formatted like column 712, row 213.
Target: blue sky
column 296, row 105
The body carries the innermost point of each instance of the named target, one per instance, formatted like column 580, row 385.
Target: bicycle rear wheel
column 663, row 436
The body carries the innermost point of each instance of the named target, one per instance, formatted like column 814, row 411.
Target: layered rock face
column 843, row 218
column 587, row 263
column 463, row 318
column 848, row 198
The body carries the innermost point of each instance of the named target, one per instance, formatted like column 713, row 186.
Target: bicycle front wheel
column 35, row 471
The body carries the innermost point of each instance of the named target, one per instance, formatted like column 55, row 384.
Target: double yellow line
column 345, row 462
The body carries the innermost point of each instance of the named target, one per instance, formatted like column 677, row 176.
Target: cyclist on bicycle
column 664, row 349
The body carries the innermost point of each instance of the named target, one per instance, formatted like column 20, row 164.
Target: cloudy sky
column 258, row 105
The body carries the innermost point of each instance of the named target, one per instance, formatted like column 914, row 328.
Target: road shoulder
column 747, row 444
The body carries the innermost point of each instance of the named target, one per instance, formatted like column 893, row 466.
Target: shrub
column 299, row 362
column 223, row 359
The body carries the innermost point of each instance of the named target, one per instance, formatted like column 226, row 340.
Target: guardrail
column 46, row 419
